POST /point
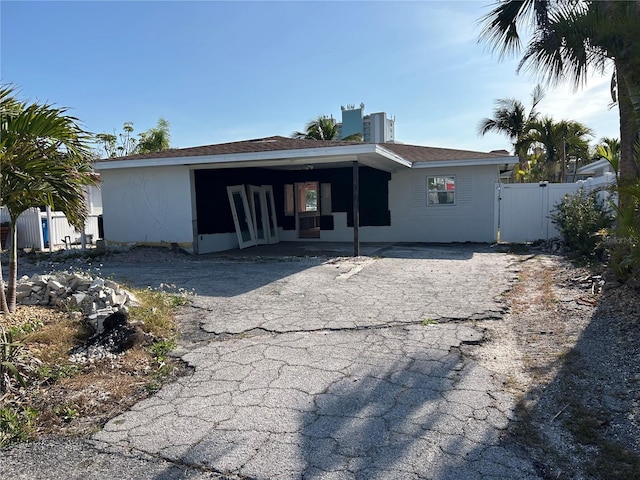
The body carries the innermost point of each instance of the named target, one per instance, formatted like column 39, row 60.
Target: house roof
column 599, row 166
column 420, row 154
column 283, row 152
column 267, row 144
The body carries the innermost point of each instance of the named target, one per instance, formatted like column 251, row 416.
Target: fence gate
column 523, row 209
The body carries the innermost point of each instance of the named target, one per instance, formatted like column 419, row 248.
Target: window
column 441, row 190
column 307, row 197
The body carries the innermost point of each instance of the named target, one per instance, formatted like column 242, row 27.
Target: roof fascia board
column 380, row 150
column 467, row 163
column 294, row 162
column 303, row 155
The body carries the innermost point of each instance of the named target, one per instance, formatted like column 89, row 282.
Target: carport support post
column 356, row 210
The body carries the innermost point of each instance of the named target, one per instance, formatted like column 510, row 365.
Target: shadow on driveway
column 235, row 272
column 421, row 417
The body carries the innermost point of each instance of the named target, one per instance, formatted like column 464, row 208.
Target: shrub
column 623, row 243
column 579, row 218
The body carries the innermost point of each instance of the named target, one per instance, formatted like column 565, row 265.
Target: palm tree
column 324, row 128
column 558, row 141
column 155, row 139
column 8, row 107
column 571, row 39
column 609, row 149
column 511, row 119
column 45, row 160
column 575, row 143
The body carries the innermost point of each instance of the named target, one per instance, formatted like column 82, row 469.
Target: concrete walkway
column 328, row 368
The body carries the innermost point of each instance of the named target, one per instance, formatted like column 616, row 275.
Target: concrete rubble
column 84, row 295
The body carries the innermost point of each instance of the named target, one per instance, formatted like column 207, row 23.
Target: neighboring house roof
column 597, row 168
column 283, row 152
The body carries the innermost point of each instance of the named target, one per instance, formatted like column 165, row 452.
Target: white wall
column 154, row 206
column 150, row 206
column 93, row 197
column 470, row 219
column 217, row 242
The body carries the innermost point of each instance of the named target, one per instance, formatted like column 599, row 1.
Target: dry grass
column 69, row 398
column 534, row 294
column 534, row 289
column 157, row 312
column 52, row 342
column 568, row 436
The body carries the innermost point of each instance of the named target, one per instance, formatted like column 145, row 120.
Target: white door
column 263, row 213
column 271, row 221
column 241, row 216
column 525, row 209
column 257, row 201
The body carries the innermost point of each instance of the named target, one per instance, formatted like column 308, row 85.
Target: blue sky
column 226, row 71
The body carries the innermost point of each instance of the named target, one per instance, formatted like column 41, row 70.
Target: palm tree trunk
column 3, row 296
column 13, row 268
column 629, row 170
column 522, row 162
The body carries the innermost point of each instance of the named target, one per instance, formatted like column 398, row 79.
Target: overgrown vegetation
column 623, row 242
column 9, row 353
column 156, row 312
column 580, row 217
column 16, row 424
column 62, row 396
column 562, row 419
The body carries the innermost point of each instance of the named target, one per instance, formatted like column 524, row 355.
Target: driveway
column 329, row 368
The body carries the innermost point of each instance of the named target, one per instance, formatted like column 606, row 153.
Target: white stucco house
column 239, row 194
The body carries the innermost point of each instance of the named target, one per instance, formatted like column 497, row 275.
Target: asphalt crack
column 489, row 315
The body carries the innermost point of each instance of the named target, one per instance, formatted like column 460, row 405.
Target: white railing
column 60, row 232
column 36, row 229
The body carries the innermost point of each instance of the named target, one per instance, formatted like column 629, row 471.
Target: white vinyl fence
column 40, row 230
column 524, row 209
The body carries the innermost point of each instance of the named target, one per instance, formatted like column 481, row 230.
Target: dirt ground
column 570, row 350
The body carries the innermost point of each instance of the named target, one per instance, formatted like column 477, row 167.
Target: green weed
column 18, row 331
column 156, row 311
column 51, row 373
column 66, row 411
column 161, row 348
column 16, row 425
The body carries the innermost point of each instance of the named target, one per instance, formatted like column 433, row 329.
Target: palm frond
column 501, row 26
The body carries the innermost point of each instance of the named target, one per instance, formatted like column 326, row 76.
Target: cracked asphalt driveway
column 332, row 369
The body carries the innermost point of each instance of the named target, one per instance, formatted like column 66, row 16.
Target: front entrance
column 308, row 209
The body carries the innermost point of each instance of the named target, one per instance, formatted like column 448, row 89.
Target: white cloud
column 589, row 105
